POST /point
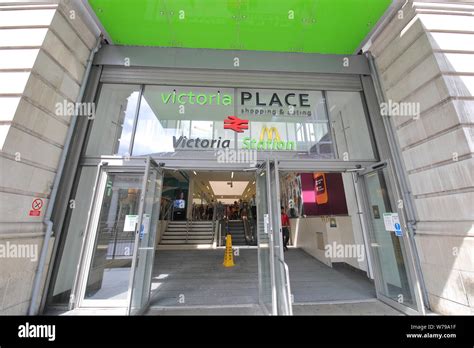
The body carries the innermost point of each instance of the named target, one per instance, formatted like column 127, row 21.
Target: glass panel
column 283, row 300
column 264, row 268
column 112, row 127
column 109, row 273
column 76, row 227
column 284, row 120
column 168, row 113
column 388, row 248
column 146, row 242
column 351, row 132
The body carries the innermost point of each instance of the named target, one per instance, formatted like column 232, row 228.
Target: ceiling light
column 232, row 175
column 194, row 172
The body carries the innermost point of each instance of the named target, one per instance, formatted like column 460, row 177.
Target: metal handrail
column 248, row 231
column 287, row 286
column 218, row 233
column 187, row 231
column 166, row 214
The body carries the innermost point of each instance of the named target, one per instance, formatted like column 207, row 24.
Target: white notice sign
column 388, row 222
column 130, row 223
column 391, row 222
column 266, row 222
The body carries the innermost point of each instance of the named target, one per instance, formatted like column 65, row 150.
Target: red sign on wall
column 37, row 204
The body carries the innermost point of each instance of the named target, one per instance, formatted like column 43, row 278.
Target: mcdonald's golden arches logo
column 270, row 139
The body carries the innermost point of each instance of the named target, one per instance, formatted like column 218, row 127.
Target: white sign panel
column 391, row 222
column 130, row 223
column 266, row 222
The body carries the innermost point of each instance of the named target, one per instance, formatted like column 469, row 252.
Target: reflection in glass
column 168, row 113
column 264, row 273
column 109, row 273
column 113, row 123
column 386, row 245
column 349, row 122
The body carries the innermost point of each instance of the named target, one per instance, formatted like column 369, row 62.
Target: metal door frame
column 90, row 234
column 149, row 163
column 410, row 263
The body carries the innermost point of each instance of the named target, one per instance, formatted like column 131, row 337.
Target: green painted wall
column 312, row 26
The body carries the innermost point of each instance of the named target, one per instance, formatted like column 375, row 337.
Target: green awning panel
column 311, row 26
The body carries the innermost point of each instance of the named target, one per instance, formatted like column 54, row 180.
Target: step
column 189, row 238
column 179, row 233
column 184, row 242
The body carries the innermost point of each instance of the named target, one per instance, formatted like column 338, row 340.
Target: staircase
column 188, row 233
column 236, row 229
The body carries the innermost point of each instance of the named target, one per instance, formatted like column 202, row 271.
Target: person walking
column 285, row 224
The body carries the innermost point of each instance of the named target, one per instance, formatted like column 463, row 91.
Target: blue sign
column 142, row 231
column 398, row 230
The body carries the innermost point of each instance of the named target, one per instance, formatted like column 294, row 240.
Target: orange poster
column 320, row 188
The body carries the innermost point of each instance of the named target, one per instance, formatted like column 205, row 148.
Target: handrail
column 166, row 215
column 217, row 233
column 287, row 286
column 187, row 231
column 247, row 231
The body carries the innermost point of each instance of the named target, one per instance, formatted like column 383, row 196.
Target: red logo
column 236, row 124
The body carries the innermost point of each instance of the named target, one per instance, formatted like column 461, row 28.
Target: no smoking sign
column 37, row 204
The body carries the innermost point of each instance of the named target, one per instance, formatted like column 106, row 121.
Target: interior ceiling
column 217, row 181
column 310, row 26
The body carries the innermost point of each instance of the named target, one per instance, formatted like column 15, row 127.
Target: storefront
column 158, row 108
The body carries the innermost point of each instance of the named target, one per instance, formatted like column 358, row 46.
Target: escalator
column 243, row 232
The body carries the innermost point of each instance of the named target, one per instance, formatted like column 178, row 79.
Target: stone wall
column 44, row 49
column 425, row 55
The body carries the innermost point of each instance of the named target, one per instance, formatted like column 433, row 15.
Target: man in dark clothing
column 285, row 224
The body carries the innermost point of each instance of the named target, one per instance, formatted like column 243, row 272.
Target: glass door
column 282, row 277
column 111, row 224
column 395, row 277
column 274, row 285
column 145, row 238
column 266, row 281
column 122, row 225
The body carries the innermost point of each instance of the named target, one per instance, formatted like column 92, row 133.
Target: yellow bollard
column 229, row 255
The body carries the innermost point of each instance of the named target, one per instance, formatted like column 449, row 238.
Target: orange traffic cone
column 229, row 255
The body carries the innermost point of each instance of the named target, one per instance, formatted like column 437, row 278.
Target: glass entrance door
column 122, row 229
column 266, row 281
column 274, row 286
column 145, row 238
column 395, row 279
